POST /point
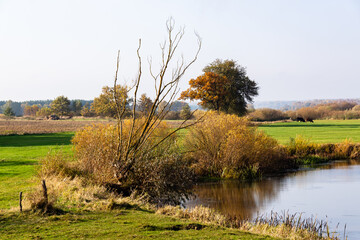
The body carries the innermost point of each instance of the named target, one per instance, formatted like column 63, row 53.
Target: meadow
column 321, row 131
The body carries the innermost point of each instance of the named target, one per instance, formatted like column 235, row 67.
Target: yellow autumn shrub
column 224, row 145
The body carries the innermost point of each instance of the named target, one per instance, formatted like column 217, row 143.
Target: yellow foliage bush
column 302, row 147
column 225, row 145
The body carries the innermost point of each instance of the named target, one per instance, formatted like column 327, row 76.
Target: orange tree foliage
column 231, row 95
column 210, row 88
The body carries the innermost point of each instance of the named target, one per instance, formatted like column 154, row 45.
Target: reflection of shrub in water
column 235, row 198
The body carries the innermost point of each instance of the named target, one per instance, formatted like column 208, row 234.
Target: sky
column 294, row 50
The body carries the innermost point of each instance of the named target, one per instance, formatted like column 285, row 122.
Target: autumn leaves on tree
column 224, row 86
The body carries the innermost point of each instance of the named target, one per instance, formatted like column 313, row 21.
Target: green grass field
column 321, row 131
column 19, row 156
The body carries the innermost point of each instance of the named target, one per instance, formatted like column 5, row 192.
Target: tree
column 86, row 112
column 145, row 104
column 31, row 110
column 60, row 106
column 212, row 89
column 185, row 112
column 141, row 158
column 137, row 140
column 15, row 107
column 105, row 104
column 44, row 112
column 8, row 112
column 76, row 107
column 230, row 95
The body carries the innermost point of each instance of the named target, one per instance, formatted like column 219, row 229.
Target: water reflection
column 325, row 192
column 236, row 198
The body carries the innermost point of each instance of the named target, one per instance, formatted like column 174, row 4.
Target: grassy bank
column 117, row 224
column 321, row 131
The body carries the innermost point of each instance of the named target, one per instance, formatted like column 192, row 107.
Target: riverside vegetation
column 77, row 184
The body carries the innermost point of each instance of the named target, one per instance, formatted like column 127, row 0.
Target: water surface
column 330, row 192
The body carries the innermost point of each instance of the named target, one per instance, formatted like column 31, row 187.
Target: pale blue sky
column 294, row 50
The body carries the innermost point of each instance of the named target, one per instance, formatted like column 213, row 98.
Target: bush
column 267, row 114
column 56, row 163
column 301, row 147
column 161, row 173
column 225, row 146
column 172, row 115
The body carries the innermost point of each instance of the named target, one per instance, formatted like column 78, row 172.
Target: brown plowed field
column 12, row 126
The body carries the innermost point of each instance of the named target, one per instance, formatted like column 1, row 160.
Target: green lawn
column 321, row 131
column 19, row 156
column 117, row 224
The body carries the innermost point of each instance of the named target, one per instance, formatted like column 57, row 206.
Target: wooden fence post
column 20, row 201
column 45, row 192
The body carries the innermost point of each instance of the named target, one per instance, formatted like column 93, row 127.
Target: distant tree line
column 102, row 106
column 340, row 110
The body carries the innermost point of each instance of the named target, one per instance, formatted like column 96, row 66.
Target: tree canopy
column 105, row 104
column 145, row 104
column 224, row 86
column 8, row 112
column 60, row 106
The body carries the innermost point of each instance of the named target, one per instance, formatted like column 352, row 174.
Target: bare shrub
column 225, row 146
column 161, row 173
column 267, row 114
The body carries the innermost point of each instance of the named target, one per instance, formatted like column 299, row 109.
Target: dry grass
column 198, row 213
column 16, row 126
column 66, row 193
column 291, row 227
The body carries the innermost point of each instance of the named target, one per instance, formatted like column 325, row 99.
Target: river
column 329, row 192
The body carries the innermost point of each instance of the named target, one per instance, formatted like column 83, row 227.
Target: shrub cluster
column 160, row 172
column 225, row 146
column 267, row 114
column 307, row 152
column 336, row 110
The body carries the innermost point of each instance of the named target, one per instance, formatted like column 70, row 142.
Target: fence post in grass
column 20, row 201
column 45, row 192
